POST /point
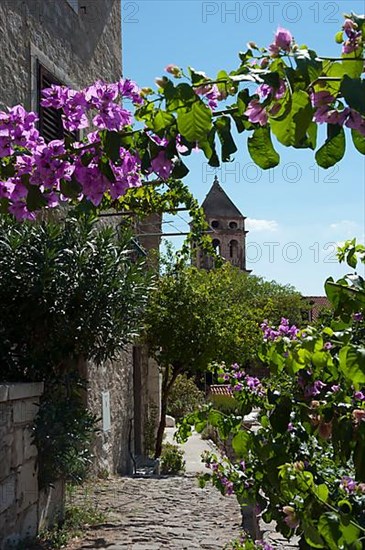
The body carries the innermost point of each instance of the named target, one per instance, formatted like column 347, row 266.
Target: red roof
column 220, row 389
column 317, row 303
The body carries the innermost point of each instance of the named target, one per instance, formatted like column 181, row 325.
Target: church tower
column 228, row 229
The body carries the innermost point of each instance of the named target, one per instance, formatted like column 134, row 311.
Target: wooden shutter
column 50, row 122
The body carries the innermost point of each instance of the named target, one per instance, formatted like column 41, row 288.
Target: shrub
column 185, row 397
column 172, row 459
column 67, row 288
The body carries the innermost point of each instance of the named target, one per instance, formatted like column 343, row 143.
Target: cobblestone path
column 167, row 513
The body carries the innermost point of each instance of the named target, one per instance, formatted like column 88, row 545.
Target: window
column 233, row 249
column 233, row 225
column 215, row 224
column 50, row 120
column 74, row 4
column 217, row 245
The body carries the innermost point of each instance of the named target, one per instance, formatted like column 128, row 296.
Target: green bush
column 172, row 459
column 185, row 397
column 69, row 288
column 63, row 433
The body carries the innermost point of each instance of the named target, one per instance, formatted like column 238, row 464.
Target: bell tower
column 228, row 229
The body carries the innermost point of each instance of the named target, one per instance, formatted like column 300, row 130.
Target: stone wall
column 18, row 463
column 76, row 46
column 122, row 394
column 110, row 398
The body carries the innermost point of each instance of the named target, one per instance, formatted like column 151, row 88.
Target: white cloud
column 346, row 227
column 262, row 225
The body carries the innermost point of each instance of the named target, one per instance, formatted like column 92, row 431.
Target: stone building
column 76, row 42
column 73, row 42
column 227, row 225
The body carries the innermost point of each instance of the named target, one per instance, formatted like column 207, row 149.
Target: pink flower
column 256, row 113
column 291, row 520
column 283, row 41
column 174, row 70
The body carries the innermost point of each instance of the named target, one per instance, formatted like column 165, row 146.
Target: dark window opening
column 233, row 249
column 217, row 246
column 233, row 225
column 215, row 224
column 50, row 120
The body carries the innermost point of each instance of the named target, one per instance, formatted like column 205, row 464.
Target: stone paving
column 170, row 513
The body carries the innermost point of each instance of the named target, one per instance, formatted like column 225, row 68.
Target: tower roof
column 218, row 203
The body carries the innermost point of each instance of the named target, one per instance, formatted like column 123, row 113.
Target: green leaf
column 111, row 144
column 105, row 169
column 312, row 537
column 223, row 126
column 353, row 90
column 291, row 129
column 261, row 149
column 352, row 364
column 35, row 198
column 333, row 150
column 161, row 121
column 241, row 444
column 353, row 69
column 358, row 141
column 322, row 492
column 195, row 123
column 71, row 189
column 329, row 528
column 339, row 37
column 180, row 170
column 280, row 416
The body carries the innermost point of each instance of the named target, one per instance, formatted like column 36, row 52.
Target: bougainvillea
column 109, row 151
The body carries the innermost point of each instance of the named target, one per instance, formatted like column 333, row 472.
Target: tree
column 67, row 289
column 303, row 464
column 195, row 317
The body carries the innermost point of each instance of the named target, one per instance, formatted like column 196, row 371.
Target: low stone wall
column 18, row 463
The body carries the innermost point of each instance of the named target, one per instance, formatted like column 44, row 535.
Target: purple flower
column 335, row 388
column 128, row 88
column 359, row 395
column 283, row 39
column 256, row 113
column 265, row 90
column 348, row 484
column 319, row 99
column 162, row 166
column 355, row 121
column 358, row 317
column 327, row 346
column 314, row 389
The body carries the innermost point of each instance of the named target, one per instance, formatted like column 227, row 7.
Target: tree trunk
column 166, row 388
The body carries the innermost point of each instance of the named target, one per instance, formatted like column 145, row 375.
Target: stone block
column 24, row 411
column 5, row 414
column 25, row 391
column 30, row 450
column 7, row 493
column 27, row 485
column 11, row 542
column 4, row 391
column 5, row 462
column 17, row 454
column 28, row 522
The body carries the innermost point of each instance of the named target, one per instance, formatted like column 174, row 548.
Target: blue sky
column 297, row 212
